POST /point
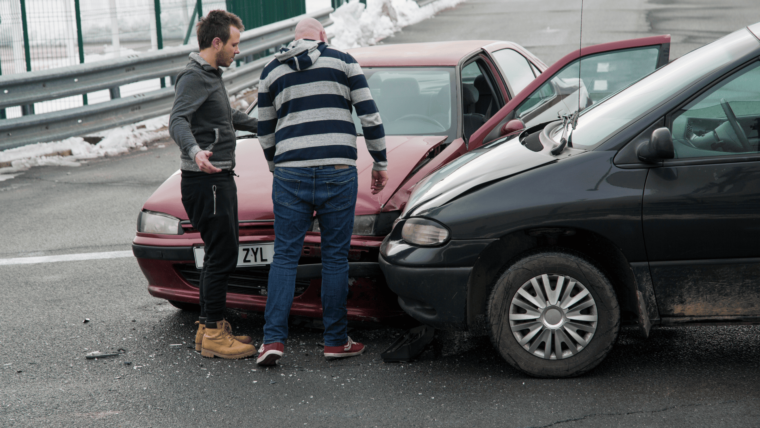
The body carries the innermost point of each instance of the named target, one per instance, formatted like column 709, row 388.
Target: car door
column 701, row 211
column 603, row 70
column 482, row 96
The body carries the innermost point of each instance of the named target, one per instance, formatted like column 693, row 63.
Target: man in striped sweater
column 306, row 96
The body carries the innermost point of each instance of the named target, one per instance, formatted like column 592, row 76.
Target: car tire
column 190, row 307
column 577, row 294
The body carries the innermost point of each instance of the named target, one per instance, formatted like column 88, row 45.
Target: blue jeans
column 297, row 193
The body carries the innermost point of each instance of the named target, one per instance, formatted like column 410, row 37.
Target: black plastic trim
column 433, row 296
column 163, row 253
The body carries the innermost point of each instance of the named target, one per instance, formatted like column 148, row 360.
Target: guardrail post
column 80, row 40
column 27, row 109
column 159, row 36
column 115, row 92
column 2, row 110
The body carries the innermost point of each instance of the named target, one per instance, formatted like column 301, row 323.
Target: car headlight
column 424, row 232
column 369, row 225
column 153, row 222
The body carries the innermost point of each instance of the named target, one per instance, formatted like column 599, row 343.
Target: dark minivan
column 645, row 208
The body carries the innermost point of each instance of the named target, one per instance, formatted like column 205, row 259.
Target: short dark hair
column 216, row 24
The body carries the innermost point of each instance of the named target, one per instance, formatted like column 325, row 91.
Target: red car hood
column 255, row 181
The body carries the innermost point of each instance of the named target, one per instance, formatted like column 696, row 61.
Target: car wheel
column 190, row 307
column 553, row 314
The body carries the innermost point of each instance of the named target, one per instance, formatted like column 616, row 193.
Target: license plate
column 248, row 255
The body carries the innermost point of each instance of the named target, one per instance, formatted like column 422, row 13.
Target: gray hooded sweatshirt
column 202, row 117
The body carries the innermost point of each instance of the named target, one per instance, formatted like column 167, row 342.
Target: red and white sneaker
column 270, row 353
column 350, row 349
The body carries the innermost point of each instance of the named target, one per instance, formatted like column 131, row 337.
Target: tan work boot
column 202, row 329
column 219, row 342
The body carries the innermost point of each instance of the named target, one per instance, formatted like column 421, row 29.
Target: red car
column 433, row 97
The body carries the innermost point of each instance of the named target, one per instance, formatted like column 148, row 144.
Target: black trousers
column 210, row 201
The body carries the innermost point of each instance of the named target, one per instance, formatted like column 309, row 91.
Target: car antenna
column 580, row 64
column 572, row 119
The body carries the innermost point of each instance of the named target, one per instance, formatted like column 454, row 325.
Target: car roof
column 417, row 54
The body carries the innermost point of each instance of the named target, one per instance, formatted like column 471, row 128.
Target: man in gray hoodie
column 203, row 124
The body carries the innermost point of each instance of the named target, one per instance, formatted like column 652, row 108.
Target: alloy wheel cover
column 553, row 316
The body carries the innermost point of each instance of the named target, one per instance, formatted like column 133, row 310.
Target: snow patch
column 355, row 25
column 70, row 151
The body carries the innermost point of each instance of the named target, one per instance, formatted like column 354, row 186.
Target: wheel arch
column 504, row 252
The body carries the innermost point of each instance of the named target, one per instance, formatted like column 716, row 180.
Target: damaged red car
column 432, row 98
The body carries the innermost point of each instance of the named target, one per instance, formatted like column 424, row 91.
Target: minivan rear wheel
column 553, row 314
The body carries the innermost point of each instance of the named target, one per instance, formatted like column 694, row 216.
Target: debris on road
column 86, row 320
column 97, row 354
column 410, row 345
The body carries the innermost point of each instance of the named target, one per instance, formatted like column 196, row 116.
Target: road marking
column 66, row 258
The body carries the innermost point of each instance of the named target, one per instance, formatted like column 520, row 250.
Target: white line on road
column 66, row 258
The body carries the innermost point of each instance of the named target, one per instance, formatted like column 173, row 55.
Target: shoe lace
column 350, row 343
column 227, row 329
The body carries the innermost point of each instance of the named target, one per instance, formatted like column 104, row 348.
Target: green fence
column 256, row 13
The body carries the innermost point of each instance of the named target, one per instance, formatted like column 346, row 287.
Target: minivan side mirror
column 512, row 126
column 659, row 147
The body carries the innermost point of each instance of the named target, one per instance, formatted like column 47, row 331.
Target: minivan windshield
column 610, row 116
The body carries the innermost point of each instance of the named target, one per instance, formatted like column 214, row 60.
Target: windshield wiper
column 567, row 131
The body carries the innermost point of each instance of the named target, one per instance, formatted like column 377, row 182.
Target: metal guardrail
column 28, row 88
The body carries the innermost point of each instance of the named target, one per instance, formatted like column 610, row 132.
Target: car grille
column 249, row 280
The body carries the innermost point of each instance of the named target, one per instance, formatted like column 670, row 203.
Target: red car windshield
column 413, row 101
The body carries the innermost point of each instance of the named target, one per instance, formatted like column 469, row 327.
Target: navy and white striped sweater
column 305, row 100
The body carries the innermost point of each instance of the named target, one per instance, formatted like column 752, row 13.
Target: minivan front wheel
column 553, row 314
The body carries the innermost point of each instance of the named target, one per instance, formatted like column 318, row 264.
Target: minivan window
column 609, row 117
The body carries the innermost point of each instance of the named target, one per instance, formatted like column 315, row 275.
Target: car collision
column 640, row 208
column 435, row 99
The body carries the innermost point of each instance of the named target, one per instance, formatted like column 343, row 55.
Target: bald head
column 310, row 28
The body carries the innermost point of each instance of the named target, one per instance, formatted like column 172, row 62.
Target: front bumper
column 431, row 282
column 172, row 275
column 434, row 296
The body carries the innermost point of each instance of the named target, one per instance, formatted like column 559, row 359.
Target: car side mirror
column 659, row 147
column 513, row 125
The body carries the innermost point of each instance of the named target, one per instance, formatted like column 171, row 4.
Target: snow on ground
column 315, row 5
column 115, row 141
column 354, row 25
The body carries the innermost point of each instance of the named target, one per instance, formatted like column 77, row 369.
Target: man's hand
column 379, row 180
column 203, row 163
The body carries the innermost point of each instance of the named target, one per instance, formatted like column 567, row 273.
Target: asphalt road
column 551, row 28
column 679, row 377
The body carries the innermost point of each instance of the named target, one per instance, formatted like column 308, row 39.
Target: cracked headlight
column 153, row 222
column 424, row 232
column 369, row 225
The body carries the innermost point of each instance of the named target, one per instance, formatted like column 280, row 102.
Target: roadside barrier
column 28, row 88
